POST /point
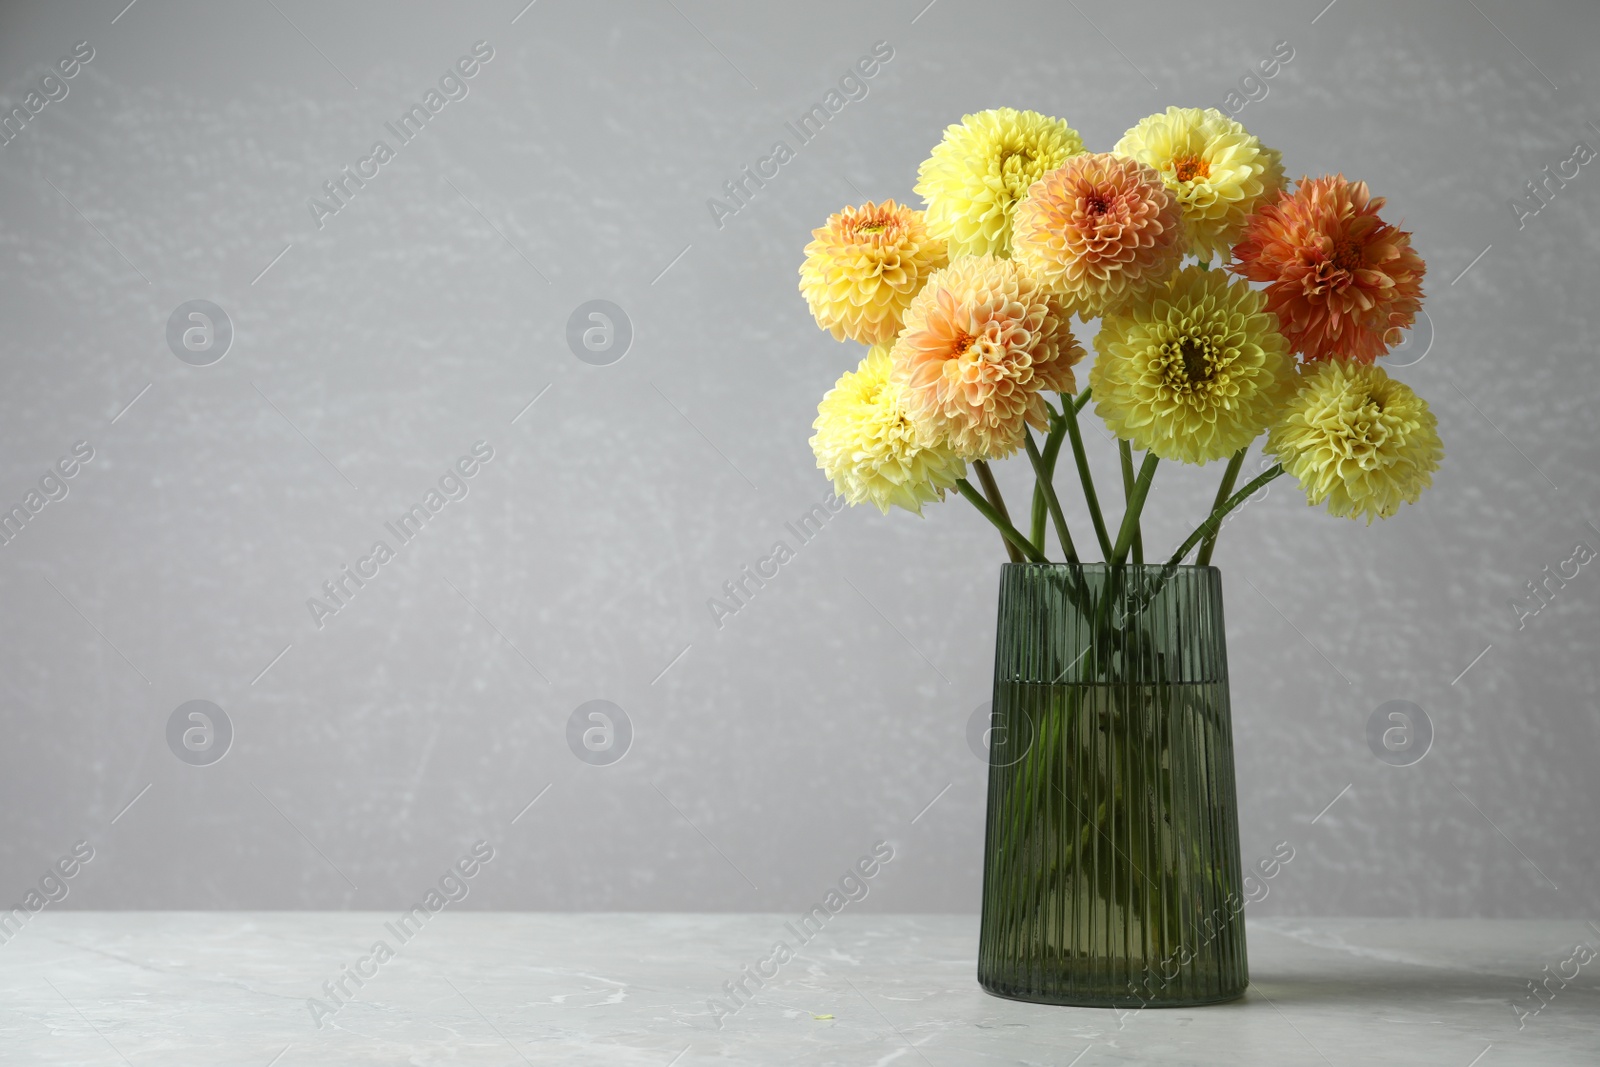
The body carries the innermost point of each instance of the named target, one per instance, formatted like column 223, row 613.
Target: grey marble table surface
column 176, row 988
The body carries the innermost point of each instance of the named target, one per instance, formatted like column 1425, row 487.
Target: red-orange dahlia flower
column 1342, row 281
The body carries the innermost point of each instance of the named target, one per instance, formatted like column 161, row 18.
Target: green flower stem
column 1052, row 449
column 1130, row 520
column 991, row 491
column 1229, row 476
column 1218, row 514
column 1041, row 472
column 1077, row 402
column 1086, row 478
column 1126, row 449
column 1017, row 545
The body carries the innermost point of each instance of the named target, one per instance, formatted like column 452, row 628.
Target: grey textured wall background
column 427, row 313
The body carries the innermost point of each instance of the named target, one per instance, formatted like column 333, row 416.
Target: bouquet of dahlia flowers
column 967, row 308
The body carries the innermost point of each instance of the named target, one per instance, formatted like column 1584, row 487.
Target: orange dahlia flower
column 863, row 268
column 981, row 340
column 1101, row 230
column 1342, row 281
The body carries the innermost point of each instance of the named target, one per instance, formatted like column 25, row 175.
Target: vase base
column 1089, row 1000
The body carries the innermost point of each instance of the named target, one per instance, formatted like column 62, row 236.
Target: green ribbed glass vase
column 1111, row 859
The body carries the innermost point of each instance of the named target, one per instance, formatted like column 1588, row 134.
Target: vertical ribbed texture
column 1111, row 861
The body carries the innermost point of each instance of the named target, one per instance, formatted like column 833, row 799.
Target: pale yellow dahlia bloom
column 1218, row 170
column 1357, row 440
column 1194, row 373
column 867, row 444
column 980, row 170
column 863, row 268
column 981, row 342
column 1101, row 230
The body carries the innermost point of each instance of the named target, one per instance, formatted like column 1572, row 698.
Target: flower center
column 975, row 356
column 1016, row 171
column 1196, row 358
column 1346, row 255
column 871, row 225
column 1096, row 204
column 1188, row 168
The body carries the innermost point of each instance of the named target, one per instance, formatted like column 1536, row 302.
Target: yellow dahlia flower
column 980, row 343
column 1357, row 440
column 866, row 443
column 863, row 268
column 983, row 167
column 1196, row 372
column 1101, row 230
column 1219, row 172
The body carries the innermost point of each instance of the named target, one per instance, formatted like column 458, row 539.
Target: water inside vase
column 1111, row 862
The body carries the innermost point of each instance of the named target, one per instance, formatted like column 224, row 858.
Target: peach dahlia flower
column 1342, row 281
column 1101, row 230
column 981, row 341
